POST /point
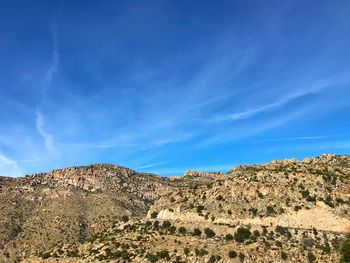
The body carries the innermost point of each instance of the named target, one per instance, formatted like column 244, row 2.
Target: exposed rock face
column 293, row 210
column 191, row 173
column 314, row 193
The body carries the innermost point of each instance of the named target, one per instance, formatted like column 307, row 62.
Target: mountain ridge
column 43, row 216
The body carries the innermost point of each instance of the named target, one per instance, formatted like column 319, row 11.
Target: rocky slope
column 68, row 205
column 284, row 211
column 314, row 193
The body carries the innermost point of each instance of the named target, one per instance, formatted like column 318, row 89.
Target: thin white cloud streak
column 55, row 58
column 47, row 137
column 313, row 88
column 321, row 147
column 46, row 85
column 152, row 165
column 343, row 145
column 304, row 138
column 256, row 128
column 9, row 167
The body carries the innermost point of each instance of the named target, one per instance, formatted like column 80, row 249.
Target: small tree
column 200, row 209
column 311, row 257
column 154, row 215
column 256, row 233
column 232, row 254
column 212, row 259
column 182, row 230
column 228, row 237
column 152, row 257
column 209, row 233
column 345, row 249
column 164, row 254
column 125, row 218
column 200, row 252
column 241, row 256
column 284, row 255
column 166, row 224
column 172, row 230
column 242, row 234
column 197, row 232
column 270, row 210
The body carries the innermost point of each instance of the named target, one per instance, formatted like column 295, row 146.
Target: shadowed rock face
column 51, row 212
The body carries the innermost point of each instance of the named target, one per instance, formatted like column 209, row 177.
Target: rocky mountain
column 283, row 211
column 68, row 205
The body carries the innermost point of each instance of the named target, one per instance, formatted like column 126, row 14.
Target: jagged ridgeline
column 284, row 211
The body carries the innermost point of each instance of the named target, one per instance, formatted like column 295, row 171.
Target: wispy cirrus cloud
column 306, row 89
column 54, row 63
column 9, row 167
column 42, row 130
column 306, row 138
column 152, row 165
column 46, row 85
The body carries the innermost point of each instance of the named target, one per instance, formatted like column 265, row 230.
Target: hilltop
column 68, row 205
column 283, row 211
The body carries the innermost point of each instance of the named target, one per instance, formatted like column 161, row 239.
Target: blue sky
column 166, row 86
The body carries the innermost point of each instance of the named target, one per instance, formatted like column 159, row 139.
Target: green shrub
column 270, row 210
column 172, row 230
column 219, row 198
column 212, row 259
column 197, row 232
column 152, row 257
column 209, row 233
column 305, row 193
column 345, row 249
column 182, row 230
column 186, row 251
column 241, row 256
column 200, row 252
column 253, row 210
column 166, row 224
column 154, row 215
column 329, row 201
column 228, row 237
column 164, row 254
column 242, row 234
column 200, row 209
column 45, row 255
column 125, row 218
column 281, row 230
column 284, row 255
column 311, row 198
column 297, row 208
column 232, row 254
column 311, row 257
column 73, row 253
